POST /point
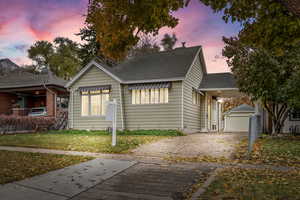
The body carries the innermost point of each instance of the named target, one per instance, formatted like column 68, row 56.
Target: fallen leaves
column 237, row 183
column 19, row 165
column 284, row 151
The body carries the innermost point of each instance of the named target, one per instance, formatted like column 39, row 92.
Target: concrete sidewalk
column 64, row 183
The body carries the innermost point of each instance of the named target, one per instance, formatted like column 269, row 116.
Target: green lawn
column 19, row 165
column 273, row 150
column 246, row 184
column 94, row 141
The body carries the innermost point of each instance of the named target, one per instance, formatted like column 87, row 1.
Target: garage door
column 237, row 123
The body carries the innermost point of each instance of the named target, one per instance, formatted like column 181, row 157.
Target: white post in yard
column 111, row 115
column 114, row 128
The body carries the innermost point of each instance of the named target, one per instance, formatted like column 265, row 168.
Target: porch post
column 51, row 103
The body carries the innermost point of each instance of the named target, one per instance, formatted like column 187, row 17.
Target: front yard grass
column 89, row 141
column 248, row 184
column 20, row 165
column 284, row 150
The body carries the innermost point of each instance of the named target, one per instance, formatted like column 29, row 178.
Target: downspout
column 121, row 105
column 73, row 96
column 182, row 105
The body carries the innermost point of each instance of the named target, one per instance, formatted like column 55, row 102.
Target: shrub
column 10, row 124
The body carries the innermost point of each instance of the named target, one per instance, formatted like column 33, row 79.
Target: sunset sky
column 22, row 22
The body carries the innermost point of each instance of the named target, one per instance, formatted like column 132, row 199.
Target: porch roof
column 219, row 85
column 218, row 81
column 24, row 79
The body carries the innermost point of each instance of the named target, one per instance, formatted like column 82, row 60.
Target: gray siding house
column 163, row 90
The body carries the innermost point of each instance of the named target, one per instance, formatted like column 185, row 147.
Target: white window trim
column 90, row 105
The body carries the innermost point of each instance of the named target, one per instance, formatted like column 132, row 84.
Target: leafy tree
column 272, row 79
column 292, row 5
column 118, row 23
column 145, row 45
column 230, row 103
column 168, row 42
column 265, row 56
column 65, row 62
column 41, row 53
column 269, row 24
column 266, row 24
column 90, row 48
column 61, row 57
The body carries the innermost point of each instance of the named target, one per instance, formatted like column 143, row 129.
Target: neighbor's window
column 196, row 97
column 93, row 103
column 295, row 115
column 150, row 96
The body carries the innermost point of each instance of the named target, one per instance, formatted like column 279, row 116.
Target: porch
column 214, row 105
column 33, row 101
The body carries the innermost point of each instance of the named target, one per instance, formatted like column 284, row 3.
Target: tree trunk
column 278, row 114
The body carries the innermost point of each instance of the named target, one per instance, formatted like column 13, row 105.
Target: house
column 237, row 119
column 20, row 91
column 164, row 90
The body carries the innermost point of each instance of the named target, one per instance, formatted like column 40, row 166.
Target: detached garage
column 237, row 119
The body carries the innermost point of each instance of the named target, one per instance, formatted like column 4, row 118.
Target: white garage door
column 237, row 124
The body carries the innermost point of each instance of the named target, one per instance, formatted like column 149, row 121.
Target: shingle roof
column 7, row 66
column 242, row 108
column 161, row 65
column 218, row 80
column 21, row 78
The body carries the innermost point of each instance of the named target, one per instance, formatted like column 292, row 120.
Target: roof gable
column 99, row 65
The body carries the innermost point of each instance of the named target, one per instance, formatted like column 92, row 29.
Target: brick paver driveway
column 200, row 144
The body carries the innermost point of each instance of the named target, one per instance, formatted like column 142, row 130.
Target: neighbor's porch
column 21, row 101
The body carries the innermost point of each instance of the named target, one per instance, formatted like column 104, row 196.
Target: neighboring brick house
column 21, row 91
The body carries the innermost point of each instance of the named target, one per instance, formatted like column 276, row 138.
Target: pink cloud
column 23, row 22
column 199, row 26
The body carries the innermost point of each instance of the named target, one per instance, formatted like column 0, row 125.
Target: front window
column 93, row 103
column 150, row 96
